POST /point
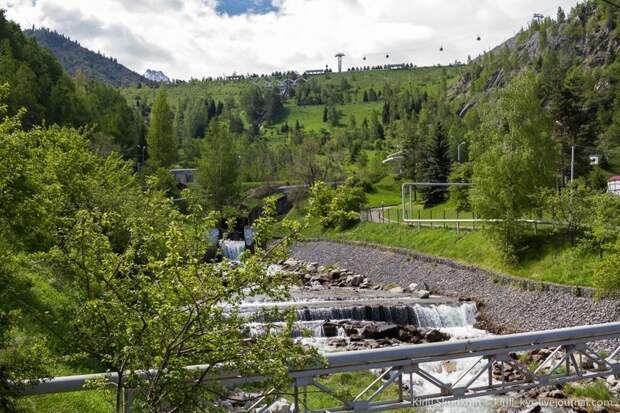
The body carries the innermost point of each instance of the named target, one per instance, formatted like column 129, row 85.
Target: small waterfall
column 441, row 316
column 232, row 249
column 431, row 316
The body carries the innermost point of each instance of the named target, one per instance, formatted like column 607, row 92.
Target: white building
column 613, row 185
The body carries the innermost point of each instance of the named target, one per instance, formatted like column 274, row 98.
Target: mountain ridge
column 74, row 57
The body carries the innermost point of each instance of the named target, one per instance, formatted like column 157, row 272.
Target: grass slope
column 424, row 78
column 547, row 258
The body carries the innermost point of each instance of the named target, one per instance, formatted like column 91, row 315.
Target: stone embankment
column 506, row 304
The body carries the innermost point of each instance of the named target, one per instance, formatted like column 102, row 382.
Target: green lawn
column 548, row 258
column 386, row 192
column 311, row 116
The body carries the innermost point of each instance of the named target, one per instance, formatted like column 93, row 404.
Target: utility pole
column 339, row 56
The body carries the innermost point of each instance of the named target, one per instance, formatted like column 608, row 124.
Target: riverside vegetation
column 99, row 261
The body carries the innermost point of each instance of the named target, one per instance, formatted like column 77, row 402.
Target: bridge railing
column 572, row 355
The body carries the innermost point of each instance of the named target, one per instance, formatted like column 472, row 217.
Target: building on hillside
column 314, row 72
column 184, row 176
column 613, row 185
column 396, row 66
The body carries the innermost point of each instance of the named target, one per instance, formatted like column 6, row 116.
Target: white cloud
column 186, row 38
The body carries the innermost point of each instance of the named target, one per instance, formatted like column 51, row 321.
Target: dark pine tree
column 365, row 98
column 325, row 114
column 436, row 166
column 386, row 113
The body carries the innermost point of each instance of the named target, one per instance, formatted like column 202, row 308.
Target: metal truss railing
column 571, row 356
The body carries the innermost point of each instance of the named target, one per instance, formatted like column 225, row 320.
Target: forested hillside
column 574, row 56
column 75, row 58
column 46, row 93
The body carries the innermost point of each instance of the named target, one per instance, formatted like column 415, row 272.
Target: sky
column 198, row 38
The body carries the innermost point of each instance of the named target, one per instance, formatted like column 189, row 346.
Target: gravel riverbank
column 505, row 308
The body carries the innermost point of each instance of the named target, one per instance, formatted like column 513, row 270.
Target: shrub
column 336, row 207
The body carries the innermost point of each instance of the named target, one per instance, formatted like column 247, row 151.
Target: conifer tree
column 436, row 165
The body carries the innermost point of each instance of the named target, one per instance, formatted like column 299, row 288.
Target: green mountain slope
column 73, row 57
column 352, row 85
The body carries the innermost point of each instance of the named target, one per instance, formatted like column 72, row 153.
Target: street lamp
column 458, row 151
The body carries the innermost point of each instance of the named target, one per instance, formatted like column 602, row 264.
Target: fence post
column 410, row 204
column 431, row 214
column 444, row 219
column 382, row 213
column 419, row 218
column 473, row 214
column 458, row 223
column 128, row 400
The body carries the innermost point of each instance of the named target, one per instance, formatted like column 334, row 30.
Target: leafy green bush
column 461, row 172
column 336, row 207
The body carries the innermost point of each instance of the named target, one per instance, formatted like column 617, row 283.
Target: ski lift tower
column 539, row 17
column 339, row 56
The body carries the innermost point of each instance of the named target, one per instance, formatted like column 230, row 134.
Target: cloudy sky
column 196, row 38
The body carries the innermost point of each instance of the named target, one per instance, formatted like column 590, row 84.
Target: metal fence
column 572, row 356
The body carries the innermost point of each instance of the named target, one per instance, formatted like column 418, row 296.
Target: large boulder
column 435, row 336
column 355, row 280
column 380, row 331
column 330, row 329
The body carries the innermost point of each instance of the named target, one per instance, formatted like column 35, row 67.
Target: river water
column 340, row 306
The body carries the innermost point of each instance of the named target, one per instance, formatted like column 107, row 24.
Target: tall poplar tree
column 218, row 169
column 161, row 143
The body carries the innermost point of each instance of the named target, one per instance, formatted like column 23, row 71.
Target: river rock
column 280, row 406
column 556, row 394
column 397, row 290
column 355, row 280
column 449, row 366
column 330, row 329
column 374, row 331
column 423, row 294
column 334, row 274
column 411, row 287
column 435, row 336
column 312, row 268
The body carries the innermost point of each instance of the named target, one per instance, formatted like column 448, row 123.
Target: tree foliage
column 161, row 142
column 514, row 160
column 219, row 166
column 337, row 207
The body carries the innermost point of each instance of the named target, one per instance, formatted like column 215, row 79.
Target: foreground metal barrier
column 573, row 358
